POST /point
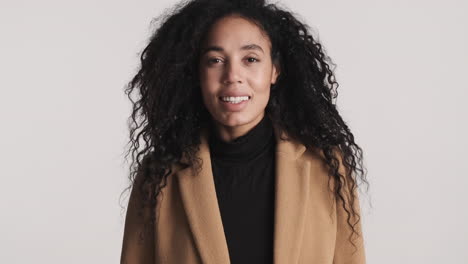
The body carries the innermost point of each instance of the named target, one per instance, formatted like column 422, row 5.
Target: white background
column 402, row 68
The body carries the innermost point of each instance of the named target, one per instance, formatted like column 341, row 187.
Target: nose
column 232, row 73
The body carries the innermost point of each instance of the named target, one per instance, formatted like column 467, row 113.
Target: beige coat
column 309, row 227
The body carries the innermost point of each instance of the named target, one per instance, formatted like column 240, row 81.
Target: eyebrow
column 245, row 47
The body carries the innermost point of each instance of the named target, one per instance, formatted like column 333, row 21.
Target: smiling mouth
column 234, row 99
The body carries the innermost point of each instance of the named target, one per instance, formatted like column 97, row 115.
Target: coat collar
column 291, row 196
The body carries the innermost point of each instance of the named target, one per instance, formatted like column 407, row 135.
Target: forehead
column 236, row 33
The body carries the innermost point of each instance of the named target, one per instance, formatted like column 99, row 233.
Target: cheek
column 209, row 95
column 261, row 95
column 261, row 83
column 206, row 85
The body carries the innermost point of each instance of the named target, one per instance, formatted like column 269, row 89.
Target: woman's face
column 236, row 72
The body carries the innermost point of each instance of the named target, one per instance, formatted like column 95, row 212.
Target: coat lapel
column 201, row 206
column 291, row 195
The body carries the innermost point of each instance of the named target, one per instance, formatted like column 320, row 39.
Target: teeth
column 235, row 100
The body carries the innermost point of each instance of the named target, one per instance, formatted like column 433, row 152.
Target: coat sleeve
column 135, row 248
column 345, row 252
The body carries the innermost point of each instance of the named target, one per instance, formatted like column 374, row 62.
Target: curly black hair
column 168, row 111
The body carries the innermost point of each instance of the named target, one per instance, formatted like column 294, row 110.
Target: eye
column 213, row 60
column 252, row 58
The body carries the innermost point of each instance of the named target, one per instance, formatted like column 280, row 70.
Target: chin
column 233, row 120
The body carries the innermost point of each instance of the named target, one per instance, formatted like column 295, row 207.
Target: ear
column 275, row 72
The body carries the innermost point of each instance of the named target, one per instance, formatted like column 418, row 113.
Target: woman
column 245, row 158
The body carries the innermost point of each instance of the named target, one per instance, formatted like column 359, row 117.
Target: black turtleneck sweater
column 243, row 171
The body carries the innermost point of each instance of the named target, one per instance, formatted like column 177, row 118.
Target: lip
column 230, row 107
column 232, row 94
